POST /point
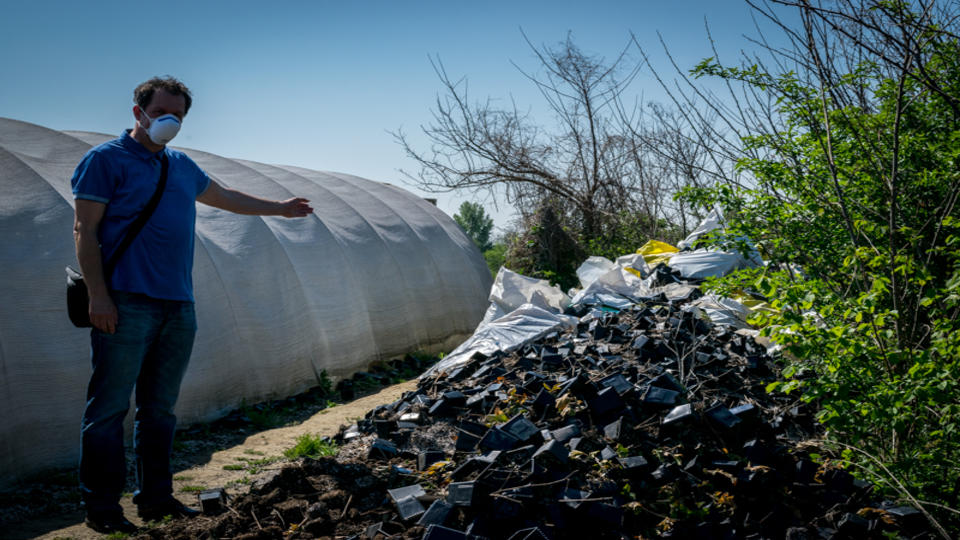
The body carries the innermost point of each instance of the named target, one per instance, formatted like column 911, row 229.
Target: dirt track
column 208, row 471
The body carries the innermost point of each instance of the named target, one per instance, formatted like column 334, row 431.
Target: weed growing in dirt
column 246, row 480
column 192, row 489
column 325, row 384
column 311, row 446
column 253, row 466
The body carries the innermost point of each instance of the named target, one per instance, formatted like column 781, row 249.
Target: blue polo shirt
column 123, row 175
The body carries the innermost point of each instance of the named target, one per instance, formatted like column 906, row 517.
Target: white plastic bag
column 511, row 290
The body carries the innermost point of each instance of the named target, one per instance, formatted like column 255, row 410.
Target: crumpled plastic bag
column 721, row 310
column 712, row 221
column 616, row 288
column 511, row 290
column 592, row 269
column 704, row 263
column 635, row 264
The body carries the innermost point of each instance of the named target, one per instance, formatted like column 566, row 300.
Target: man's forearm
column 238, row 202
column 242, row 203
column 91, row 262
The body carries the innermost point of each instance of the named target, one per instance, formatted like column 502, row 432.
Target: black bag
column 78, row 299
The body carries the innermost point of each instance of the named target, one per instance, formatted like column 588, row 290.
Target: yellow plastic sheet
column 655, row 252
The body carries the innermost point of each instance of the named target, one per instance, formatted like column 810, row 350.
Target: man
column 142, row 314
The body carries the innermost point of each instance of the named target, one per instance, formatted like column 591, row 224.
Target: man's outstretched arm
column 239, row 202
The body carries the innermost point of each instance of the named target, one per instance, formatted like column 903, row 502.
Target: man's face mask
column 162, row 129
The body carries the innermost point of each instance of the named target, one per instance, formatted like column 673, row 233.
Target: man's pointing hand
column 295, row 207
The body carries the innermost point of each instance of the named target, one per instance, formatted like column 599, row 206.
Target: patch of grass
column 253, row 452
column 246, row 480
column 253, row 466
column 192, row 489
column 233, row 467
column 156, row 523
column 183, row 478
column 311, row 446
column 264, row 416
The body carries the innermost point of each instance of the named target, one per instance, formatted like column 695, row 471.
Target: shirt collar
column 134, row 146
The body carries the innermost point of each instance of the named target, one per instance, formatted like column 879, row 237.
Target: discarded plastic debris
column 382, row 449
column 436, row 514
column 409, row 508
column 678, row 414
column 597, row 424
column 428, row 457
column 408, row 491
column 212, row 501
column 460, row 493
column 436, row 532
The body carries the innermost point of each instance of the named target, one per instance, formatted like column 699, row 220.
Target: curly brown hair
column 143, row 93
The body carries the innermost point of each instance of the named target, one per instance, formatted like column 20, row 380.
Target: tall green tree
column 478, row 225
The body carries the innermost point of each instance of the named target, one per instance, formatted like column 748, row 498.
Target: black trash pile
column 648, row 422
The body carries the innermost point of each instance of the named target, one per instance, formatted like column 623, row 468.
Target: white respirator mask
column 162, row 128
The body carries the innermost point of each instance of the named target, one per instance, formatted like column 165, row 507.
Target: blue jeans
column 150, row 351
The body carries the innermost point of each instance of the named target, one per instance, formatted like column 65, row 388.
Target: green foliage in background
column 496, row 256
column 626, row 232
column 854, row 206
column 476, row 223
column 546, row 249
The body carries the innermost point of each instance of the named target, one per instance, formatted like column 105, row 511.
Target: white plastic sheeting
column 713, row 220
column 610, row 284
column 510, row 290
column 519, row 312
column 511, row 331
column 721, row 310
column 376, row 272
column 703, row 263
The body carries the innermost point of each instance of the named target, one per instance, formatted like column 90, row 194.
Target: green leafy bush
column 496, row 257
column 852, row 200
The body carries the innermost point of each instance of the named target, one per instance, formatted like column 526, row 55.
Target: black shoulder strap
column 141, row 220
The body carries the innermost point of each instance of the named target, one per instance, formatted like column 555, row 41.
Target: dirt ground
column 207, row 460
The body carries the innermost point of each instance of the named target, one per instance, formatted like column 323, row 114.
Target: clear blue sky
column 319, row 84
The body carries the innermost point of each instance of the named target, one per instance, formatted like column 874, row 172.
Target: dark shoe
column 172, row 508
column 109, row 524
